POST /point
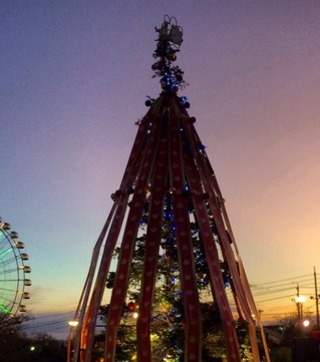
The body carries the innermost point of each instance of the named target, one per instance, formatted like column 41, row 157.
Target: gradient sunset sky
column 74, row 79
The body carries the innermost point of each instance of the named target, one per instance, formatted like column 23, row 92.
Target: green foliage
column 45, row 348
column 10, row 325
column 18, row 347
column 12, row 340
column 167, row 322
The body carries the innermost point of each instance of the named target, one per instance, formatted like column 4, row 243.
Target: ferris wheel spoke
column 4, row 309
column 7, row 303
column 9, row 280
column 4, row 253
column 9, row 262
column 9, row 271
column 8, row 291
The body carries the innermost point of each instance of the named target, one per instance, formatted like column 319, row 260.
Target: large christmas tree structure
column 178, row 269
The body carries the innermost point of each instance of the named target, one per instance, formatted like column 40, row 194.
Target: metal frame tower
column 168, row 164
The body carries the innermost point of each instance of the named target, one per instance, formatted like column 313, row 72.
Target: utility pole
column 299, row 305
column 299, row 299
column 316, row 294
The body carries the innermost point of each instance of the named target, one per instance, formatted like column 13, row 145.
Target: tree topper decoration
column 171, row 32
column 168, row 44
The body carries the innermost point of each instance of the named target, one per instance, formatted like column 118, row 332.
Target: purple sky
column 74, row 79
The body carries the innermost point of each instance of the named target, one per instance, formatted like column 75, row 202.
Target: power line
column 271, row 300
column 272, row 291
column 292, row 279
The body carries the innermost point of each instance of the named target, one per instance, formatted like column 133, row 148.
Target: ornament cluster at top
column 168, row 44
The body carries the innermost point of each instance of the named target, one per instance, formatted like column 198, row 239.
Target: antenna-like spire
column 168, row 44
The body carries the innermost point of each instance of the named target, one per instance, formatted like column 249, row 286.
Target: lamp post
column 73, row 325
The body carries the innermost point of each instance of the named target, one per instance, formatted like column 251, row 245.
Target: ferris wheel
column 13, row 272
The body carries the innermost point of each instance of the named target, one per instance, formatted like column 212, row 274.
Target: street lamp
column 306, row 323
column 73, row 324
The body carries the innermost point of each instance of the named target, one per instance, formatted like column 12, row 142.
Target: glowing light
column 6, row 310
column 300, row 299
column 73, row 324
column 306, row 323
